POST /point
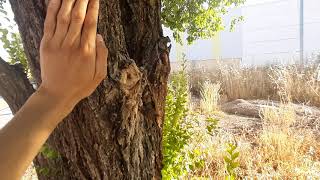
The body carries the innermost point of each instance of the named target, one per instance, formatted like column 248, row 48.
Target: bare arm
column 73, row 63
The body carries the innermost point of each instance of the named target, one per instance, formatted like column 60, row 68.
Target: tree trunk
column 116, row 133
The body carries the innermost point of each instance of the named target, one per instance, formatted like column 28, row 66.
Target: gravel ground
column 30, row 174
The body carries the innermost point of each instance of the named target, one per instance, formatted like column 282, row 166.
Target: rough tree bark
column 115, row 133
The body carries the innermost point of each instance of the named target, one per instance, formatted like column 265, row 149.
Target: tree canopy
column 198, row 18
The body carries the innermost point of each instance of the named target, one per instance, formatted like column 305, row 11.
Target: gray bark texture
column 116, row 133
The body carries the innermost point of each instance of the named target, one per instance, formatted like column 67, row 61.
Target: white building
column 270, row 33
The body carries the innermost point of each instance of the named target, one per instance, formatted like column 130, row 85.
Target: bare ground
column 243, row 117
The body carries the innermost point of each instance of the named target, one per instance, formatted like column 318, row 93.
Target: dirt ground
column 248, row 114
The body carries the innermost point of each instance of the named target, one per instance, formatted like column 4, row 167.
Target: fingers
column 51, row 18
column 66, row 24
column 77, row 19
column 101, row 61
column 63, row 21
column 89, row 32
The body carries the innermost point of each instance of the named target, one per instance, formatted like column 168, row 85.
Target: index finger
column 89, row 32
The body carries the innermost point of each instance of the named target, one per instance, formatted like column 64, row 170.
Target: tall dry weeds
column 210, row 97
column 279, row 150
column 297, row 83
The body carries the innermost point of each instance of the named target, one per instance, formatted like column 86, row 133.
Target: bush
column 175, row 130
column 231, row 161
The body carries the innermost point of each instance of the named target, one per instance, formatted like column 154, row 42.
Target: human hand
column 73, row 57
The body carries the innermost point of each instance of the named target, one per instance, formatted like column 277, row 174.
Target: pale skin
column 73, row 60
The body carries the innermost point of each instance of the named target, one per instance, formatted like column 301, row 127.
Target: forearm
column 24, row 135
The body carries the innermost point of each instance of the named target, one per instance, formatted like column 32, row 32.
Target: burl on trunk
column 117, row 132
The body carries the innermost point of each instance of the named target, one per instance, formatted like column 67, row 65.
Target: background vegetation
column 283, row 143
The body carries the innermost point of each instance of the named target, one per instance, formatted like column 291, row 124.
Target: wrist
column 61, row 105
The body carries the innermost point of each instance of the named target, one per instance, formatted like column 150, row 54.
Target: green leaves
column 52, row 156
column 49, row 153
column 231, row 161
column 235, row 21
column 176, row 132
column 13, row 45
column 11, row 40
column 43, row 171
column 198, row 18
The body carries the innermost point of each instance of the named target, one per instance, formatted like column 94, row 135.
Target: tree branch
column 29, row 16
column 15, row 87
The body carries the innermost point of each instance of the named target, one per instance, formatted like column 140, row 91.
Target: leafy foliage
column 235, row 21
column 198, row 18
column 175, row 130
column 11, row 40
column 1, row 4
column 181, row 129
column 13, row 45
column 231, row 161
column 43, row 171
column 49, row 153
column 52, row 155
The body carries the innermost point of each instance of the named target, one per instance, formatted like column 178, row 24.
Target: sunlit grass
column 210, row 96
column 279, row 150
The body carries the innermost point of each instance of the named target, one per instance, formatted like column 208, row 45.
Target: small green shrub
column 182, row 131
column 231, row 161
column 175, row 130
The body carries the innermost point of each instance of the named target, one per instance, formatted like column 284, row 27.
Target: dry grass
column 236, row 83
column 210, row 97
column 284, row 115
column 299, row 84
column 279, row 150
column 283, row 151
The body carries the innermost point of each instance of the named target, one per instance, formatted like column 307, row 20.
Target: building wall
column 271, row 31
column 269, row 34
column 312, row 27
